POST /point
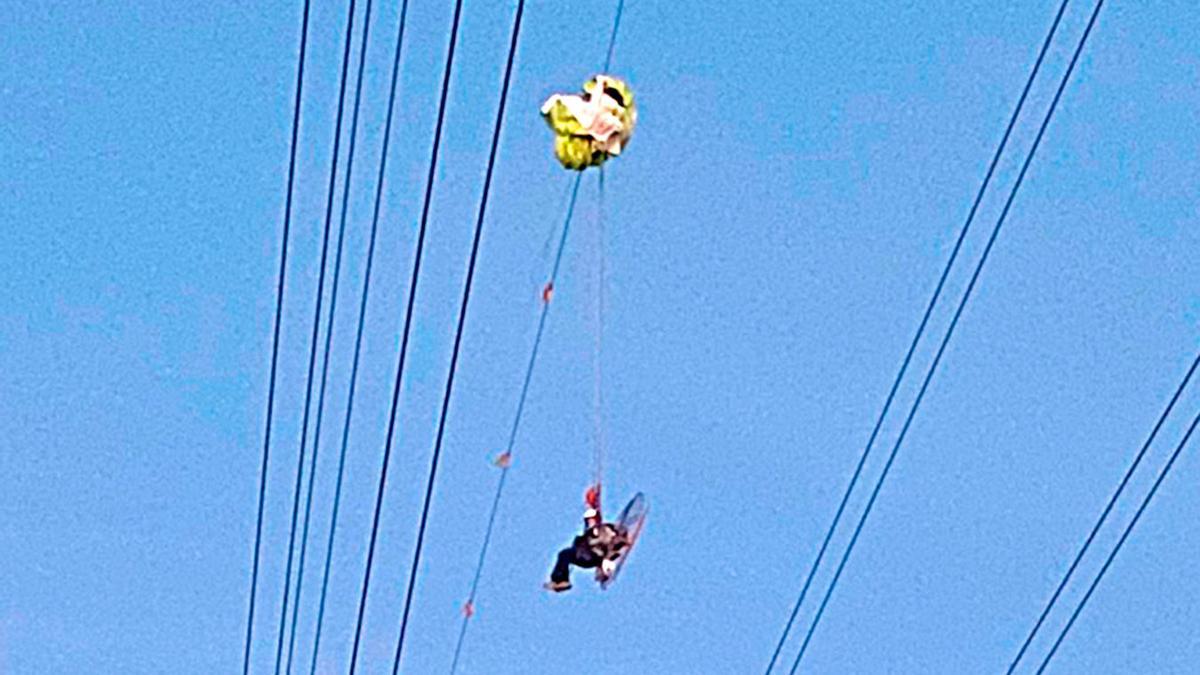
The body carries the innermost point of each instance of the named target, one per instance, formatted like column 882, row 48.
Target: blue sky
column 797, row 180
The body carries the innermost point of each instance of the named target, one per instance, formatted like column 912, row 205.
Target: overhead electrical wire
column 287, row 221
column 1112, row 501
column 912, row 347
column 949, row 332
column 1120, row 542
column 358, row 339
column 333, row 298
column 612, row 37
column 337, row 138
column 505, row 459
column 416, row 271
column 462, row 318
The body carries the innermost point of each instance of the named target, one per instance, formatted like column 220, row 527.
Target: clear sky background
column 796, row 183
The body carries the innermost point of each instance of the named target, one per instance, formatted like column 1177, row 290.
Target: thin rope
column 912, row 347
column 337, row 269
column 358, row 340
column 946, row 340
column 312, row 349
column 1104, row 515
column 458, row 332
column 1120, row 542
column 287, row 222
column 505, row 459
column 598, row 351
column 437, row 139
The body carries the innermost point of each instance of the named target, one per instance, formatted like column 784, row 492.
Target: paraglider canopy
column 591, row 127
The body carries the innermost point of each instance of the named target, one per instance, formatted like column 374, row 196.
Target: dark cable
column 458, row 333
column 287, row 221
column 946, row 340
column 533, row 354
column 333, row 297
column 1104, row 515
column 512, row 435
column 362, row 313
column 912, row 347
column 437, row 139
column 312, row 357
column 1120, row 542
column 612, row 38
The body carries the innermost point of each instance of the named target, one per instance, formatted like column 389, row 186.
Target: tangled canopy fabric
column 591, row 127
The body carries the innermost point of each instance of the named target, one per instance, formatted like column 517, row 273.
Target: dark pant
column 579, row 555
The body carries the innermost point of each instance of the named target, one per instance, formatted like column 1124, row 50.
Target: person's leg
column 561, row 574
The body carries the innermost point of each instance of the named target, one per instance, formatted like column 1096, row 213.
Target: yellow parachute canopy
column 590, row 128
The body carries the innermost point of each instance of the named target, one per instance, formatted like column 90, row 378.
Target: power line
column 1104, row 514
column 337, row 137
column 612, row 38
column 287, row 221
column 362, row 313
column 337, row 269
column 1120, row 542
column 462, row 317
column 437, row 139
column 946, row 340
column 505, row 458
column 912, row 347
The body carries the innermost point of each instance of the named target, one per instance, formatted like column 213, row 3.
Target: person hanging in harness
column 599, row 547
